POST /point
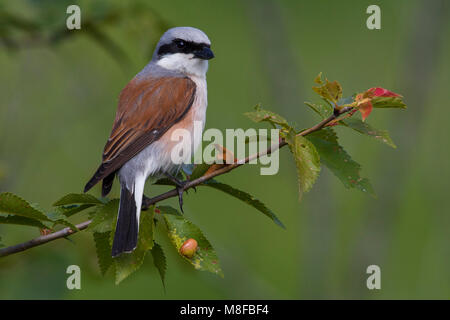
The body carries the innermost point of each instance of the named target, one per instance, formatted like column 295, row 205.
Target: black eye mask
column 181, row 46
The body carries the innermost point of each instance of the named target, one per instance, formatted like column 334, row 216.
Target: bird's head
column 184, row 49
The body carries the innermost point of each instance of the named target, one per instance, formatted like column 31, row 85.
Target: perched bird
column 169, row 93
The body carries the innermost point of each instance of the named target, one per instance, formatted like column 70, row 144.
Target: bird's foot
column 179, row 186
column 180, row 191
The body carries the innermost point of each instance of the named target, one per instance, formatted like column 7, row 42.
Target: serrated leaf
column 59, row 218
column 338, row 161
column 19, row 220
column 367, row 129
column 103, row 249
column 15, row 205
column 307, row 161
column 179, row 230
column 323, row 110
column 388, row 102
column 127, row 263
column 247, row 198
column 159, row 260
column 104, row 216
column 329, row 90
column 70, row 210
column 261, row 115
column 77, row 198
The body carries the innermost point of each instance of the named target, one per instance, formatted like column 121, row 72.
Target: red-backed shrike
column 168, row 94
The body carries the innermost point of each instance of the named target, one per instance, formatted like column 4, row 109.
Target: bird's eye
column 180, row 43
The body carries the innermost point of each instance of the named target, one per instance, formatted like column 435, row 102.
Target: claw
column 180, row 189
column 180, row 197
column 179, row 185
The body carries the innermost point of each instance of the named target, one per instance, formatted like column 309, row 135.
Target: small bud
column 45, row 231
column 189, row 248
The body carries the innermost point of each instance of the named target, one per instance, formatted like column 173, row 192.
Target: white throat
column 184, row 63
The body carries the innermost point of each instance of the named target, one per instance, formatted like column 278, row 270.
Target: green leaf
column 159, row 260
column 323, row 110
column 179, row 230
column 247, row 198
column 260, row 115
column 1, row 244
column 12, row 204
column 388, row 102
column 77, row 198
column 338, row 161
column 168, row 210
column 18, row 220
column 103, row 217
column 329, row 90
column 307, row 161
column 127, row 263
column 59, row 218
column 72, row 209
column 103, row 249
column 365, row 128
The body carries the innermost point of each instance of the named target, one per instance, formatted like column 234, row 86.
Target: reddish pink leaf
column 366, row 108
column 381, row 92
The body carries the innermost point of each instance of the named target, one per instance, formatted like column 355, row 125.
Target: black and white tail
column 127, row 227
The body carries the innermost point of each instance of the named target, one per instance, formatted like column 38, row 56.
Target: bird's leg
column 179, row 185
column 186, row 181
column 178, row 182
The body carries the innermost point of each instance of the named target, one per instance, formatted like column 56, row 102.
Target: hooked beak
column 205, row 53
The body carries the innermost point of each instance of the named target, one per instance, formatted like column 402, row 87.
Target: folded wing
column 147, row 109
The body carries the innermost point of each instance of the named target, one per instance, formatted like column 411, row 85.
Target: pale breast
column 197, row 113
column 157, row 157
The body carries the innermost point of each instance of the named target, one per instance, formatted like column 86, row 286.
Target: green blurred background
column 58, row 102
